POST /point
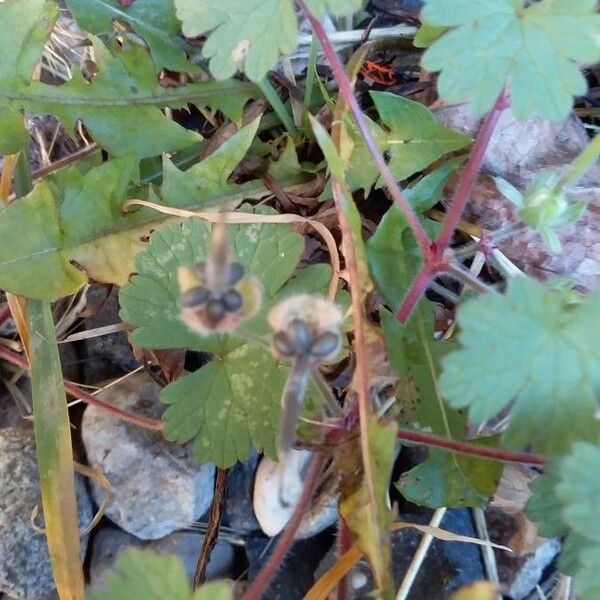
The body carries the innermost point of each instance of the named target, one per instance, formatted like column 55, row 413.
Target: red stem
column 346, row 91
column 469, row 177
column 77, row 392
column 417, row 289
column 261, row 583
column 435, row 441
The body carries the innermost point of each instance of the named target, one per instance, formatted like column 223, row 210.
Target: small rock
column 518, row 150
column 157, row 486
column 507, row 524
column 25, row 571
column 277, row 489
column 108, row 543
column 239, row 513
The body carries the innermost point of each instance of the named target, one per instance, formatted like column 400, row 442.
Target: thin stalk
column 212, row 530
column 436, row 441
column 580, row 165
column 309, row 82
column 54, row 453
column 417, row 289
column 278, row 106
column 74, row 390
column 471, row 172
column 260, row 585
column 344, row 543
column 347, row 93
column 467, row 278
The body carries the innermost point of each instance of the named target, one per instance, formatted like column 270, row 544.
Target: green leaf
column 248, row 35
column 119, row 107
column 532, row 347
column 415, row 139
column 54, row 451
column 445, row 478
column 13, row 135
column 564, row 503
column 79, row 219
column 145, row 575
column 24, row 34
column 428, row 34
column 411, row 136
column 535, row 50
column 233, row 402
column 153, row 20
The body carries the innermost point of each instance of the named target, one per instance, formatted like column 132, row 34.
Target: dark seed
column 215, row 311
column 236, row 272
column 232, row 300
column 283, row 344
column 324, row 344
column 300, row 335
column 194, row 297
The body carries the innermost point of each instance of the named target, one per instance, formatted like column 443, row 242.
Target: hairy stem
column 261, row 583
column 436, row 441
column 346, row 91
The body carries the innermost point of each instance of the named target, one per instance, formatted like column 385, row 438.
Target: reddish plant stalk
column 434, row 262
column 74, row 390
column 436, row 441
column 261, row 583
column 469, row 177
column 345, row 88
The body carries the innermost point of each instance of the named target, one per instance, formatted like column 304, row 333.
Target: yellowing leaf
column 370, row 524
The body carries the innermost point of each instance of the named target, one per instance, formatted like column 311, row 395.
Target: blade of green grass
column 52, row 437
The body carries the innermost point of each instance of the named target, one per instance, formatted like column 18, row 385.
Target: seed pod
column 194, row 297
column 325, row 345
column 283, row 345
column 300, row 335
column 232, row 300
column 215, row 311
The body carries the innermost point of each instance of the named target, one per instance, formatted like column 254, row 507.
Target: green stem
column 579, row 166
column 311, row 71
column 278, row 106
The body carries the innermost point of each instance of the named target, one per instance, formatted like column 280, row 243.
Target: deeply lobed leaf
column 535, row 49
column 532, row 348
column 144, row 575
column 249, row 35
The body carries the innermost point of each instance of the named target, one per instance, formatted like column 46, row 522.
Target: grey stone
column 157, row 486
column 108, row 543
column 25, row 571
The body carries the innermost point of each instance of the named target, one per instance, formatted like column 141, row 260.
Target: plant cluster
column 174, row 218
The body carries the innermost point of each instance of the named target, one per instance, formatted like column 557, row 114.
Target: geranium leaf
column 249, row 35
column 535, row 49
column 233, row 403
column 532, row 347
column 145, row 575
